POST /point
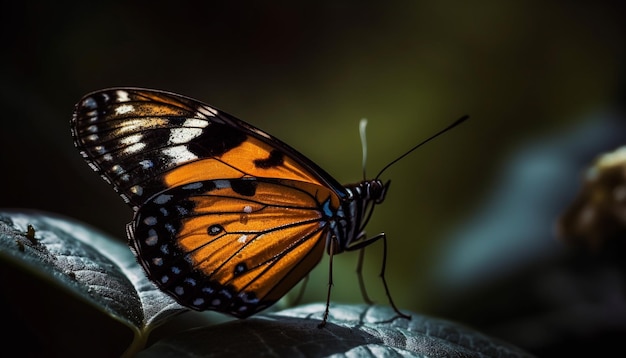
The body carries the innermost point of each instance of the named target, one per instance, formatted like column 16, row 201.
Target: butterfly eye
column 377, row 191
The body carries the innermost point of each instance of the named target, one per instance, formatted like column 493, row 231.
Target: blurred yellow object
column 597, row 217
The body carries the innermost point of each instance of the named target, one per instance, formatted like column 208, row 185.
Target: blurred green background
column 542, row 81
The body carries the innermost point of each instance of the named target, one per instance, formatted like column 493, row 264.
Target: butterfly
column 226, row 217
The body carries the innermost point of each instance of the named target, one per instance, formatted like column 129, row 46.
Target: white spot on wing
column 137, row 190
column 135, row 138
column 122, row 96
column 170, row 228
column 152, row 238
column 162, row 199
column 134, row 148
column 146, row 164
column 93, row 167
column 196, row 185
column 242, row 239
column 192, row 128
column 179, row 154
column 125, row 108
column 134, row 143
column 195, row 123
column 183, row 135
column 222, row 184
column 89, row 103
column 190, row 281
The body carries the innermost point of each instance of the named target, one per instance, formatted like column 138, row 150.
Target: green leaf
column 88, row 264
column 352, row 330
column 103, row 272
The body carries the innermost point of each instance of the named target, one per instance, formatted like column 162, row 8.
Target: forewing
column 145, row 141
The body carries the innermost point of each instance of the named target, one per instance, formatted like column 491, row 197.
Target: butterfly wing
column 143, row 141
column 235, row 245
column 227, row 217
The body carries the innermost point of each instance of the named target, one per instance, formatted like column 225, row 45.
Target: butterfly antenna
column 454, row 124
column 362, row 126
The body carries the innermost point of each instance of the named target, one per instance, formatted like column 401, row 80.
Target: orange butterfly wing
column 143, row 141
column 239, row 244
column 227, row 217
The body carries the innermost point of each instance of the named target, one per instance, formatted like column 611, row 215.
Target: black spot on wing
column 245, row 187
column 275, row 159
column 177, row 120
column 216, row 140
column 240, row 268
column 215, row 229
column 206, row 185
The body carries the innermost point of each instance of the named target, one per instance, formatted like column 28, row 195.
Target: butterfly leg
column 331, row 252
column 359, row 273
column 362, row 244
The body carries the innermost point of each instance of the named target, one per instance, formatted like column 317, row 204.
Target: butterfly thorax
column 349, row 222
column 371, row 190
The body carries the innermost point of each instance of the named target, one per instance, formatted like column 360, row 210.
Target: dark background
column 469, row 217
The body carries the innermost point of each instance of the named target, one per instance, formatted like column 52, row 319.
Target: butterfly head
column 376, row 190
